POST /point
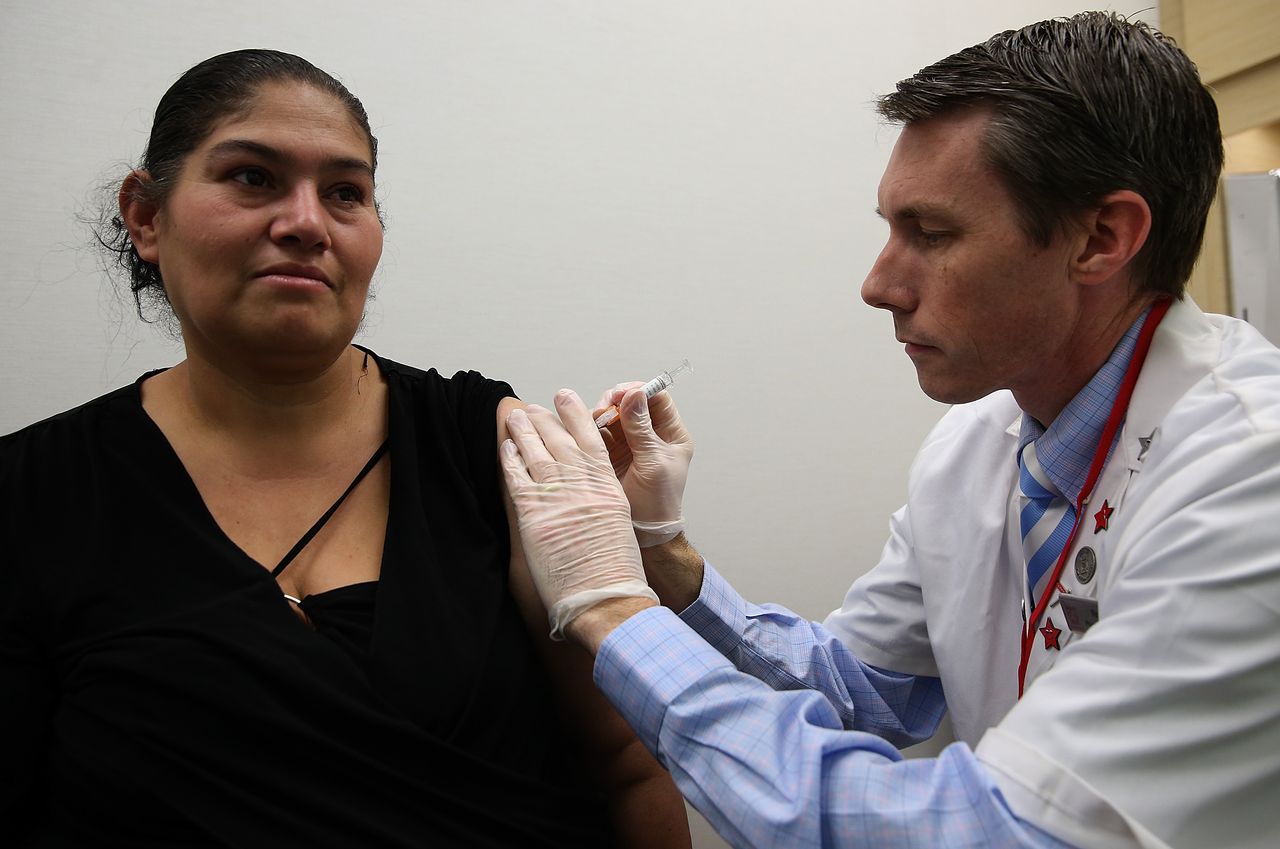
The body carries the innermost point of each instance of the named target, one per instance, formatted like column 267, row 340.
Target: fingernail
column 565, row 395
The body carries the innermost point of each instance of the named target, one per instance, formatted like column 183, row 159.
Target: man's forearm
column 590, row 627
column 674, row 570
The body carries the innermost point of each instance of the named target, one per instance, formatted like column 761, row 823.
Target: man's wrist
column 674, row 570
column 590, row 628
column 651, row 534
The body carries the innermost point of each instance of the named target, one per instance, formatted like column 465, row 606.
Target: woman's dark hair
column 1081, row 107
column 217, row 87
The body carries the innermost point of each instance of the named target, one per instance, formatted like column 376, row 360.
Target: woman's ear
column 138, row 212
column 1115, row 232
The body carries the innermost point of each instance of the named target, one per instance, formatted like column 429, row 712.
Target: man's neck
column 1090, row 347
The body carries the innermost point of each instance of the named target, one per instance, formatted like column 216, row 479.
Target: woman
column 268, row 597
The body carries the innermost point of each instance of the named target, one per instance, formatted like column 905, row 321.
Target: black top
column 159, row 691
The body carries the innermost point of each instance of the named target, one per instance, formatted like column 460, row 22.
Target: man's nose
column 884, row 286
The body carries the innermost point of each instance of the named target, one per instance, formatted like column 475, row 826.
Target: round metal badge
column 1086, row 565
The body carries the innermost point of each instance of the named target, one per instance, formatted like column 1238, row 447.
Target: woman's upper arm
column 647, row 809
column 521, row 583
column 25, row 712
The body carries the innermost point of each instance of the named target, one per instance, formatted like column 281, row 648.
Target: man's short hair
column 1081, row 107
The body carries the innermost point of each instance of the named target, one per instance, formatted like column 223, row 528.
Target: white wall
column 578, row 192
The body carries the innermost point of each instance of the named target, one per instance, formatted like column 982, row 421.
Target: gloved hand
column 654, row 465
column 571, row 511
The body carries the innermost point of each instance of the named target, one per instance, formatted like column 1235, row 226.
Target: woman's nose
column 302, row 219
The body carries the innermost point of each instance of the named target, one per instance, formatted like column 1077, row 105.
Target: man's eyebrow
column 230, row 147
column 923, row 210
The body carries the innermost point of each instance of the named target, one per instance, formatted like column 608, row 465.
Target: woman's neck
column 273, row 416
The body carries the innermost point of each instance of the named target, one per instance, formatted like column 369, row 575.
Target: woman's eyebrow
column 231, row 147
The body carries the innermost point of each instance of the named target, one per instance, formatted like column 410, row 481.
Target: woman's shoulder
column 86, row 418
column 464, row 388
column 54, row 460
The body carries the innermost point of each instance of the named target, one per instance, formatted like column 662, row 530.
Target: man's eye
column 932, row 238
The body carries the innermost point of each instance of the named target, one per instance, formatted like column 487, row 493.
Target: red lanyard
column 1118, row 410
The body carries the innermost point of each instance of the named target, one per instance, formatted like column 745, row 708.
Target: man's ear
column 138, row 212
column 1114, row 232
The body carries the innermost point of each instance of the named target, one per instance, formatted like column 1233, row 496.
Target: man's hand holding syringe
column 561, row 476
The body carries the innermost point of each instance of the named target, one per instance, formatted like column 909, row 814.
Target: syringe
column 653, row 387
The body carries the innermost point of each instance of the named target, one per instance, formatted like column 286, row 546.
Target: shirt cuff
column 646, row 663
column 719, row 615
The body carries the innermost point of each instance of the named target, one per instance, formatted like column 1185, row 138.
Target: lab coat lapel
column 1182, row 352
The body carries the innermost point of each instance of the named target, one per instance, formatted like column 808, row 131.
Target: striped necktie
column 1046, row 520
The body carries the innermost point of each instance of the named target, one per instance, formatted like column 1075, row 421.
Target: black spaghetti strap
column 315, row 529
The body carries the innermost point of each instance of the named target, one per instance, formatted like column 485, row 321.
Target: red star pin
column 1103, row 517
column 1050, row 635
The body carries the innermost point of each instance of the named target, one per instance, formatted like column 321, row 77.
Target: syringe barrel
column 665, row 379
column 658, row 384
column 609, row 417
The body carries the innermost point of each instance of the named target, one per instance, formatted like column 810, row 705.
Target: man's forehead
column 953, row 140
column 935, row 164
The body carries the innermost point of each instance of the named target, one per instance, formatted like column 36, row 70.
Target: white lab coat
column 1161, row 725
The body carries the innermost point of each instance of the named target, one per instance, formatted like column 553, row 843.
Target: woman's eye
column 251, row 177
column 348, row 194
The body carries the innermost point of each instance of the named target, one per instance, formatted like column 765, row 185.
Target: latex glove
column 653, row 465
column 571, row 511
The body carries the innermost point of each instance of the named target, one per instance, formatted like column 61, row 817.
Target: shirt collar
column 1066, row 449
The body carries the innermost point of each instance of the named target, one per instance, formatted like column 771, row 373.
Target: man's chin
column 945, row 392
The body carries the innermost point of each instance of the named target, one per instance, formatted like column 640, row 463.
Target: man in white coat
column 1086, row 574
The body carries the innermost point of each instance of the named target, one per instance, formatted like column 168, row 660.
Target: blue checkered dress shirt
column 802, row 765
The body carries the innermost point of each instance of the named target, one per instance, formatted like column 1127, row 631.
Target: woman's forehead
column 296, row 109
